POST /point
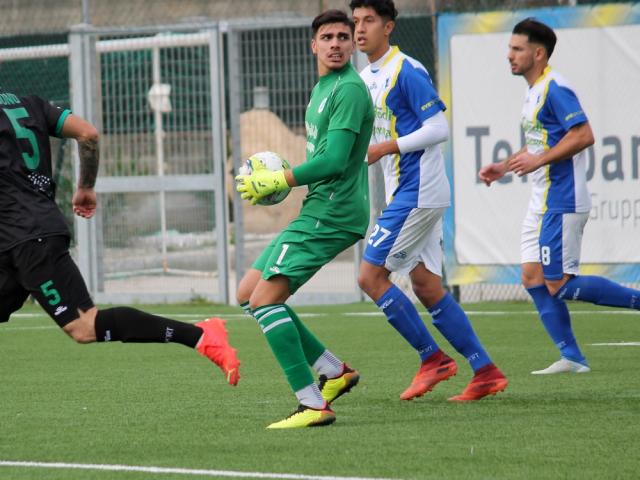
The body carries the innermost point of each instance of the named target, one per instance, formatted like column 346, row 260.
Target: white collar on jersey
column 377, row 65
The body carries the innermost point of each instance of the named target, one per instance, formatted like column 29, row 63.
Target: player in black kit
column 34, row 239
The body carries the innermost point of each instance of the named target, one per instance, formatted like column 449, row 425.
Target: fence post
column 219, row 152
column 83, row 81
column 233, row 54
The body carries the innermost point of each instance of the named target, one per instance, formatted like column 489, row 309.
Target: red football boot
column 215, row 347
column 435, row 369
column 489, row 380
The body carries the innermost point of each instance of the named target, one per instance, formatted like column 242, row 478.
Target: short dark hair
column 384, row 8
column 537, row 32
column 332, row 16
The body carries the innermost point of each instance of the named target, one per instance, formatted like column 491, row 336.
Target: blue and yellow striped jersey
column 550, row 110
column 404, row 97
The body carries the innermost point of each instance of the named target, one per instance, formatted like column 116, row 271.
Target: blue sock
column 555, row 317
column 600, row 291
column 404, row 317
column 453, row 324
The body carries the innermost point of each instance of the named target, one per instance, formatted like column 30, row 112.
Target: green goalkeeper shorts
column 301, row 249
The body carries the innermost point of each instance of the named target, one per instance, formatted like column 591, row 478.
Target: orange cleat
column 214, row 345
column 489, row 380
column 435, row 369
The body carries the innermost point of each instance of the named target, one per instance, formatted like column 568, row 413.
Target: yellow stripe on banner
column 606, row 15
column 490, row 22
column 466, row 275
column 392, row 126
column 593, row 269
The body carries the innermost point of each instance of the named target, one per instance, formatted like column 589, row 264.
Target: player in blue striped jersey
column 407, row 238
column 557, row 132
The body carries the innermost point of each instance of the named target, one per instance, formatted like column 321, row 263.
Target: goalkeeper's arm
column 332, row 163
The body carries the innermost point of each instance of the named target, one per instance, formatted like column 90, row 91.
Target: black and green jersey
column 27, row 190
column 340, row 101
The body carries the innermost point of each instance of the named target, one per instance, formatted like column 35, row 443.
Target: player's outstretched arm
column 378, row 150
column 84, row 199
column 574, row 141
column 331, row 163
column 495, row 171
column 263, row 182
column 492, row 172
column 434, row 130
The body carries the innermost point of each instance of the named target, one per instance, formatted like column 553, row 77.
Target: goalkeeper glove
column 260, row 183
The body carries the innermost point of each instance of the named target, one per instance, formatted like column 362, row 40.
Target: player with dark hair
column 537, row 32
column 557, row 132
column 34, row 239
column 334, row 216
column 407, row 238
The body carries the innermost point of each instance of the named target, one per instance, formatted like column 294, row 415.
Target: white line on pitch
column 231, row 316
column 619, row 344
column 178, row 471
column 39, row 327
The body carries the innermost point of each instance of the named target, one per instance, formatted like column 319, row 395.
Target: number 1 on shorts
column 285, row 247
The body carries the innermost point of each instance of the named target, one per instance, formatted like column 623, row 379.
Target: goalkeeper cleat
column 307, row 417
column 435, row 369
column 214, row 345
column 332, row 388
column 564, row 365
column 488, row 380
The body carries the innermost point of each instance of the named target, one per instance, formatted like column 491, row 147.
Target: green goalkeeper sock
column 246, row 308
column 311, row 346
column 283, row 338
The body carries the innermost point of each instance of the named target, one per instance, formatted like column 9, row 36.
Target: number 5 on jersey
column 378, row 235
column 14, row 114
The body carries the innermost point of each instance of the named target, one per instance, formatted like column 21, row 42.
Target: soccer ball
column 274, row 162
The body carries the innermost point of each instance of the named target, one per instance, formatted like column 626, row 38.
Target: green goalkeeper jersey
column 340, row 101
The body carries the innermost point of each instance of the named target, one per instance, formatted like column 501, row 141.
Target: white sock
column 328, row 364
column 310, row 396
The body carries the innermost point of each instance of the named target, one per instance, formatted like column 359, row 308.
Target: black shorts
column 44, row 269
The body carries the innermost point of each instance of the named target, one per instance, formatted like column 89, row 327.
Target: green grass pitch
column 165, row 406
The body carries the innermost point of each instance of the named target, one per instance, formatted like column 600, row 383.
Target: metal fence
column 161, row 230
column 179, row 112
column 271, row 74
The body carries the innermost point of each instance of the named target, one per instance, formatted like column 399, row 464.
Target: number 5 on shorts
column 50, row 292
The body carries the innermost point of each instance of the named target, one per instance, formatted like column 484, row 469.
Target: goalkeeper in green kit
column 334, row 216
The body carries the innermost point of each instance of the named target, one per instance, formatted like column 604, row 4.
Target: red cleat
column 435, row 369
column 489, row 380
column 214, row 345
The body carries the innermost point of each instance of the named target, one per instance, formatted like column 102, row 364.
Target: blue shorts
column 554, row 240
